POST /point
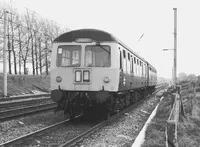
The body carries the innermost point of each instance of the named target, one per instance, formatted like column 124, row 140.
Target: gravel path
column 123, row 131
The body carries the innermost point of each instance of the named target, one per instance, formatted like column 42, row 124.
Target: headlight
column 106, row 80
column 86, row 76
column 78, row 76
column 58, row 78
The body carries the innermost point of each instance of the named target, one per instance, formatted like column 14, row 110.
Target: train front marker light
column 78, row 76
column 86, row 76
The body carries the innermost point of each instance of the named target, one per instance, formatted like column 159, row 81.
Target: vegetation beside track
column 155, row 133
column 188, row 126
column 25, row 84
column 189, row 129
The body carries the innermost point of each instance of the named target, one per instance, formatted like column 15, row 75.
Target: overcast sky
column 128, row 20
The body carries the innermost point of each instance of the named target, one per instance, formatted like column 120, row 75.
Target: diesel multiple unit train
column 91, row 69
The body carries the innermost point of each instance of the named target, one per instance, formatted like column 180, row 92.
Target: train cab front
column 82, row 74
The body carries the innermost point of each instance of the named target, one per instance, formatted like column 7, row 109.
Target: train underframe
column 97, row 104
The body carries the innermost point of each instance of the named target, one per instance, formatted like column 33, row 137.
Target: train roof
column 97, row 35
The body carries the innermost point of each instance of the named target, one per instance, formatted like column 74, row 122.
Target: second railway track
column 24, row 111
column 24, row 102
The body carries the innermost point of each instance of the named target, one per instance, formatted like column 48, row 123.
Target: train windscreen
column 69, row 55
column 97, row 56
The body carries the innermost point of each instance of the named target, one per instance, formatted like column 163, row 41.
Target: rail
column 14, row 113
column 32, row 134
column 8, row 104
column 23, row 97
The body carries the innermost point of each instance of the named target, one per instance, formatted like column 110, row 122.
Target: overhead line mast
column 175, row 45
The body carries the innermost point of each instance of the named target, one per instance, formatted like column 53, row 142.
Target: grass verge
column 25, row 84
column 155, row 133
column 189, row 129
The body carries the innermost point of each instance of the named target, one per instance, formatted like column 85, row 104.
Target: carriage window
column 69, row 55
column 124, row 53
column 131, row 64
column 97, row 56
column 142, row 69
column 128, row 56
column 120, row 59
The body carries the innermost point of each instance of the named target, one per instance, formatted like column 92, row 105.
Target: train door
column 147, row 69
column 121, row 71
column 145, row 73
column 132, row 73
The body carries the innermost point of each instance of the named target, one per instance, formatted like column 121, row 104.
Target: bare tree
column 29, row 23
column 24, row 54
column 51, row 31
column 29, row 40
column 37, row 44
column 9, row 54
column 12, row 32
column 22, row 42
column 25, row 48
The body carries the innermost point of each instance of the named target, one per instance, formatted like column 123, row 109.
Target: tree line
column 183, row 77
column 29, row 39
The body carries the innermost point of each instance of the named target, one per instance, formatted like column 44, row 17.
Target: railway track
column 74, row 140
column 21, row 97
column 24, row 111
column 25, row 102
column 20, row 140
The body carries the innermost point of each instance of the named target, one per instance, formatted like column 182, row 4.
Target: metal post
column 5, row 54
column 46, row 54
column 175, row 45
